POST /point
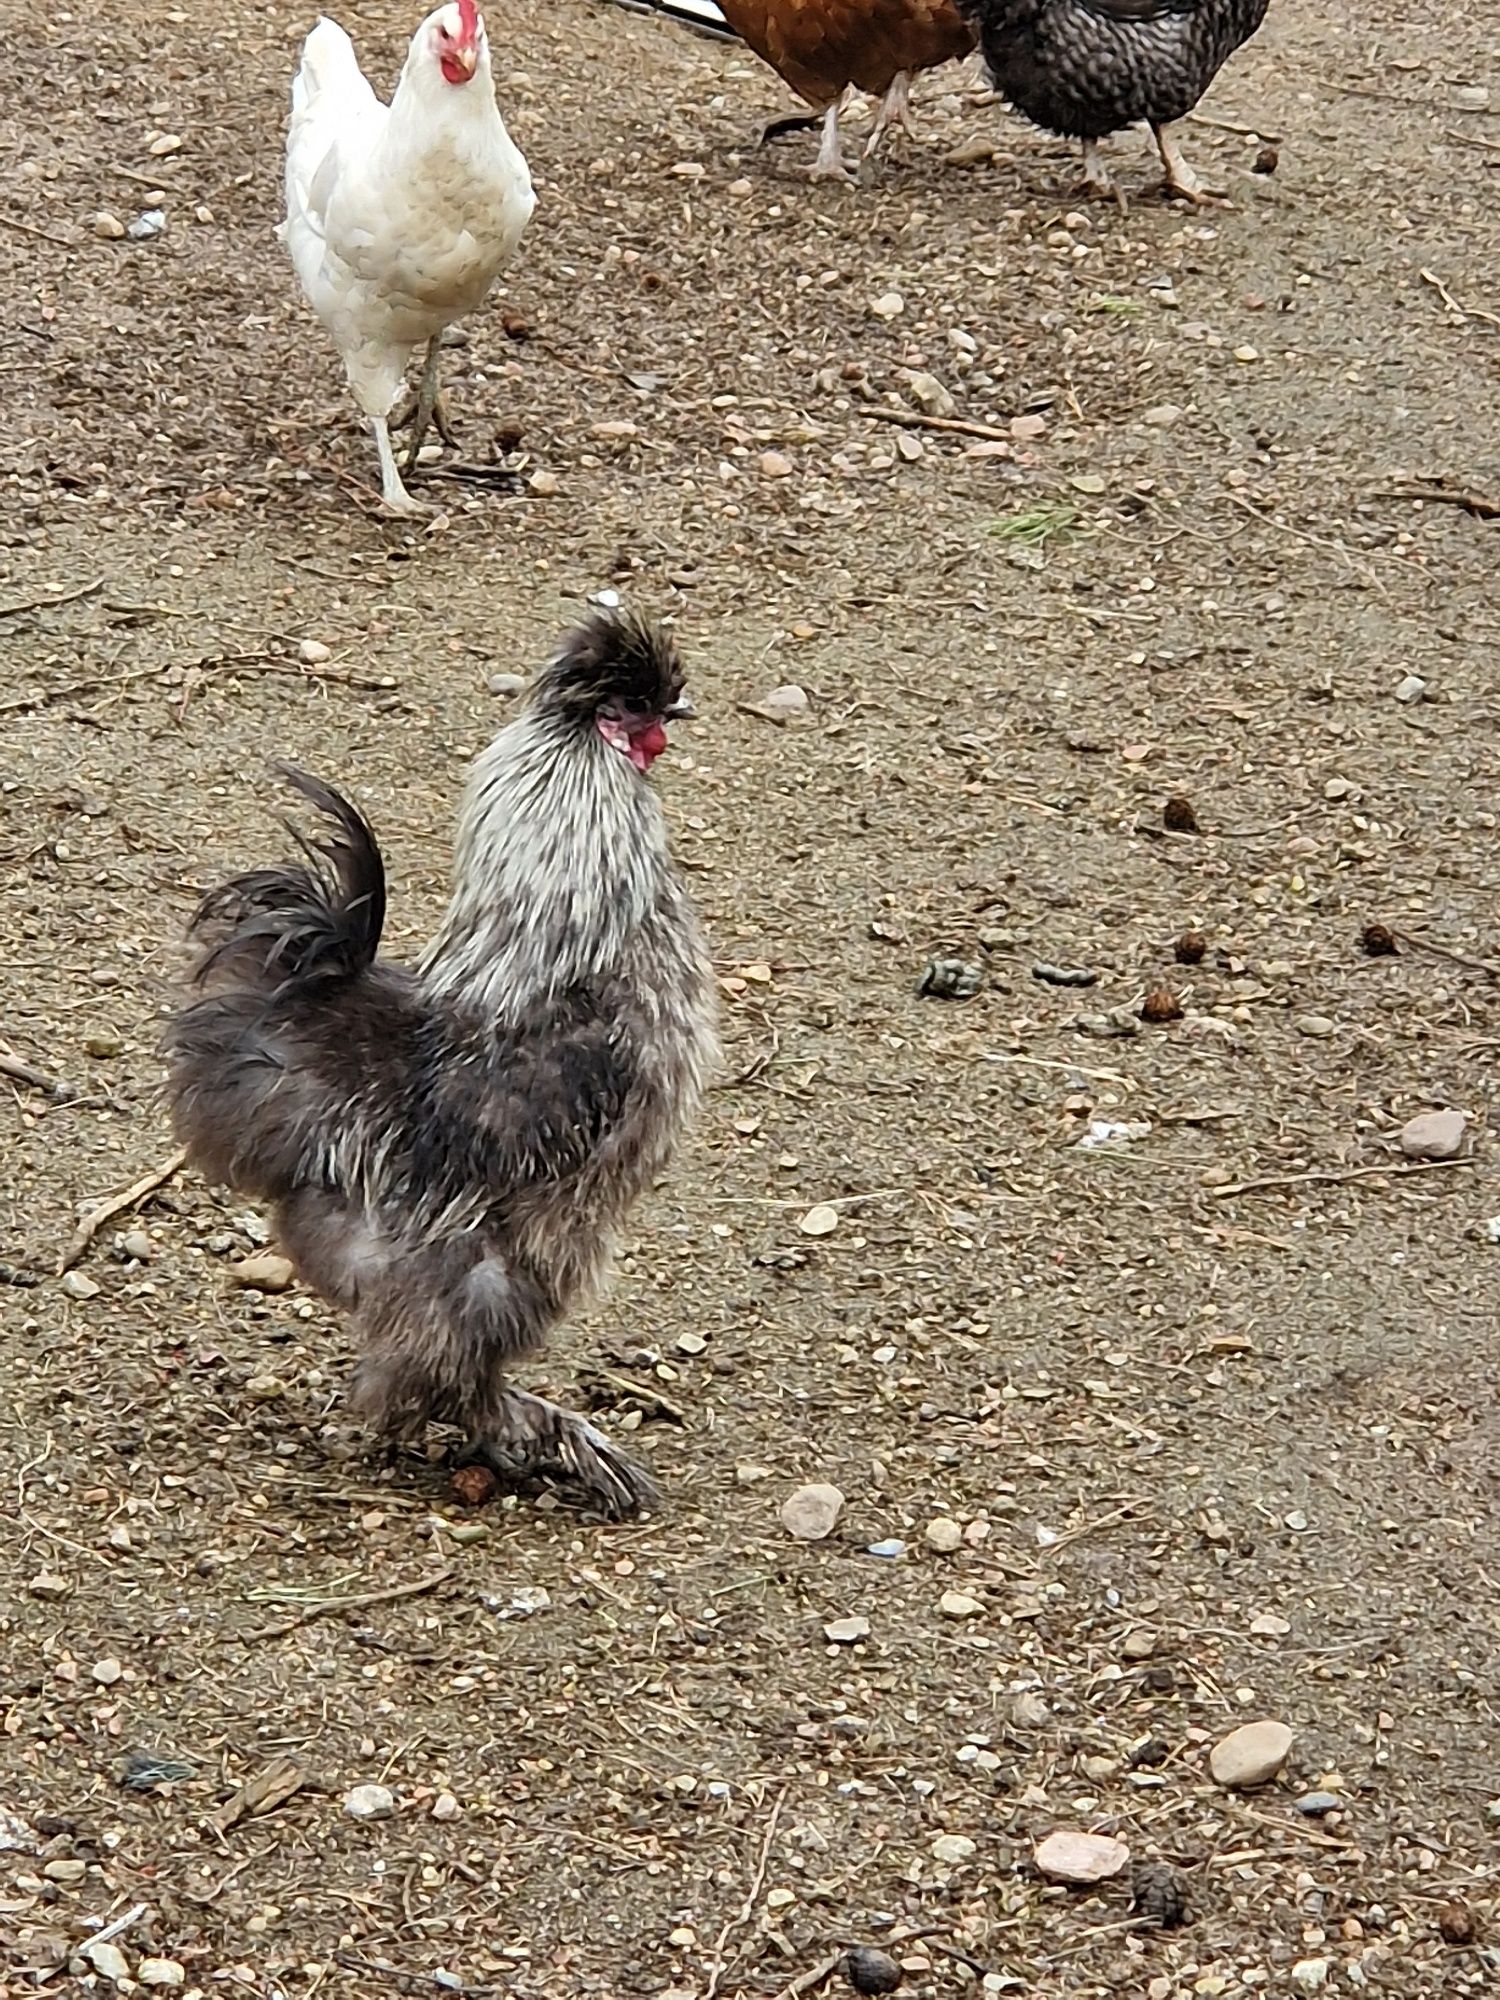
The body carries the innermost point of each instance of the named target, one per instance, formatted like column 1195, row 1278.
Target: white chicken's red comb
column 468, row 20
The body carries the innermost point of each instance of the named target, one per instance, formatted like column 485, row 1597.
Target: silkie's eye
column 633, row 705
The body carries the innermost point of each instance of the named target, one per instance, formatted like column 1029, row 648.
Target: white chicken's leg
column 426, row 407
column 1180, row 177
column 894, row 113
column 392, row 492
column 829, row 165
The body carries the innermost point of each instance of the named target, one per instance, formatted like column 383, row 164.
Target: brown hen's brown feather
column 821, row 47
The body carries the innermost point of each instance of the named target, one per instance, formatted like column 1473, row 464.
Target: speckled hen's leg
column 535, row 1436
column 1096, row 180
column 893, row 113
column 1180, row 177
column 829, row 165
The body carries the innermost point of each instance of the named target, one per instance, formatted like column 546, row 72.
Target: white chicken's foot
column 393, row 494
column 893, row 114
column 829, row 165
column 1180, row 178
column 535, row 1436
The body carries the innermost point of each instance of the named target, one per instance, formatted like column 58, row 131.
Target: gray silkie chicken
column 1085, row 68
column 450, row 1148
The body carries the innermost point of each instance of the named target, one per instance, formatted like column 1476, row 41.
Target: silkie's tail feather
column 305, row 922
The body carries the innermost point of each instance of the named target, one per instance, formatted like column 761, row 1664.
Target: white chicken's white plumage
column 399, row 218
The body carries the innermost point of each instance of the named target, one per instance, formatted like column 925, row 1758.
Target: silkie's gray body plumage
column 1085, row 68
column 451, row 1148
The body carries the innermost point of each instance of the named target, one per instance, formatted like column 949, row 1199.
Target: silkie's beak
column 681, row 710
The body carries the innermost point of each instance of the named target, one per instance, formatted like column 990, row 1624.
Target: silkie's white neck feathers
column 560, row 859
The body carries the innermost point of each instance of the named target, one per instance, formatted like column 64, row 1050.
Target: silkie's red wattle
column 646, row 746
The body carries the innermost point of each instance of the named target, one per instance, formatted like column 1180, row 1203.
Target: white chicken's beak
column 467, row 59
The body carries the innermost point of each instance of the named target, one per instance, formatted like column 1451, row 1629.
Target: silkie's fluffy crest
column 617, row 658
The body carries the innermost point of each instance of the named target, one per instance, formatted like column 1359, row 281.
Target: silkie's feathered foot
column 1180, row 178
column 539, row 1438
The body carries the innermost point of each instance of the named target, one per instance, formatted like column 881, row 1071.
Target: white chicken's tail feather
column 329, row 71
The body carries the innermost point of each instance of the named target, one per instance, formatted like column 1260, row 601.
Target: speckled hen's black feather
column 1084, row 68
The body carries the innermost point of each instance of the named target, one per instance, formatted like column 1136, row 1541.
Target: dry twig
column 814, row 1976
column 117, row 1204
column 325, row 1606
column 915, row 420
column 1459, row 311
column 1441, row 494
column 746, row 1910
column 1447, row 951
column 42, row 235
column 24, row 1072
column 1232, row 125
column 49, row 599
column 1335, row 1177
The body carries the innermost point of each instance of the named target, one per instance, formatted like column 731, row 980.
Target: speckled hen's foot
column 1180, row 180
column 1096, row 183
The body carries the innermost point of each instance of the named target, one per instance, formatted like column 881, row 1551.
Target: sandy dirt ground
column 1198, row 1371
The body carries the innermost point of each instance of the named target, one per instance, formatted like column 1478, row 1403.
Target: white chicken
column 399, row 218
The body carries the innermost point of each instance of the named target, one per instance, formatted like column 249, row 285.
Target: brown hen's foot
column 829, row 165
column 893, row 114
column 536, row 1437
column 1180, row 178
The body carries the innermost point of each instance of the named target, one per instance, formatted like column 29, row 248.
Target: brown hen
column 825, row 48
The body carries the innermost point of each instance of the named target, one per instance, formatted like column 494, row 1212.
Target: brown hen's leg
column 534, row 1436
column 1180, row 178
column 893, row 113
column 829, row 165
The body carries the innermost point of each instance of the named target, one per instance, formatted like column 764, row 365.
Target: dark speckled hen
column 1085, row 68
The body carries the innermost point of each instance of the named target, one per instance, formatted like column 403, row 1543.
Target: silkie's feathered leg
column 534, row 1436
column 441, row 1325
column 1097, row 181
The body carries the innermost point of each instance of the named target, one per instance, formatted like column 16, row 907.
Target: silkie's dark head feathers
column 617, row 662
